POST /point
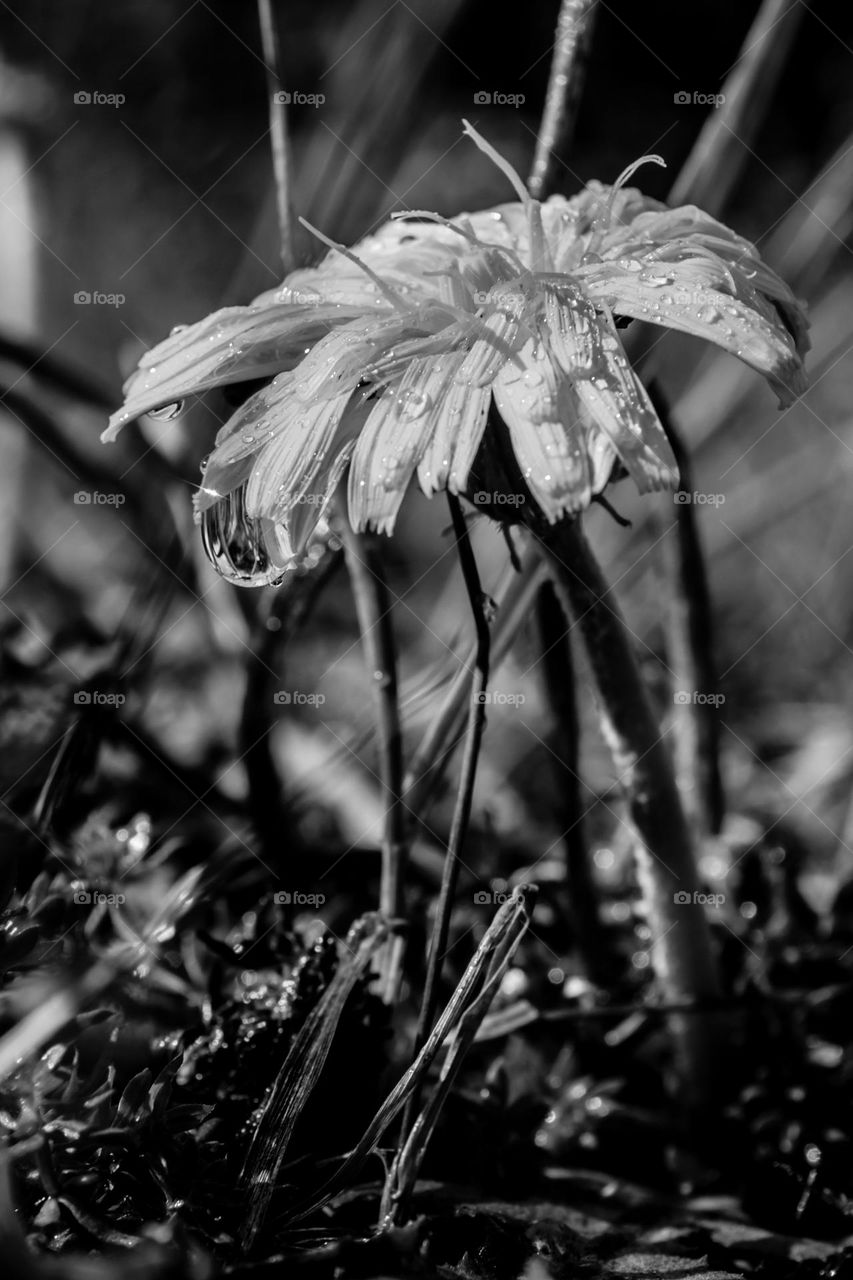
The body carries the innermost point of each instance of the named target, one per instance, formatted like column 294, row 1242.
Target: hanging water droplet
column 167, row 411
column 234, row 543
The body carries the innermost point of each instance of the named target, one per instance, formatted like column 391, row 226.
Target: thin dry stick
column 373, row 609
column 464, row 796
column 565, row 84
column 282, row 158
column 681, row 943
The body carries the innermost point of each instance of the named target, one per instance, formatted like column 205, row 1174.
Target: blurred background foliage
column 165, row 200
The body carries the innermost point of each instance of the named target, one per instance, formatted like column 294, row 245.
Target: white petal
column 762, row 343
column 232, row 345
column 498, row 341
column 285, row 466
column 546, row 430
column 573, row 325
column 392, row 442
column 457, row 421
column 617, row 403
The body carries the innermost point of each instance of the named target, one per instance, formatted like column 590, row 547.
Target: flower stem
column 282, row 157
column 690, row 644
column 559, row 683
column 465, row 792
column 681, row 944
column 373, row 609
column 565, row 83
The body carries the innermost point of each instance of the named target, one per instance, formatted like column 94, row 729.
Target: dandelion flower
column 388, row 359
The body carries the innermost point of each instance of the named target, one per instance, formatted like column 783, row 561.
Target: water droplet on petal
column 413, row 402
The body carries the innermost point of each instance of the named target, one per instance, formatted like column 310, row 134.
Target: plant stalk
column 373, row 609
column 681, row 949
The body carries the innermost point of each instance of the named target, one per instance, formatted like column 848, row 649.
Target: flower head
column 388, row 359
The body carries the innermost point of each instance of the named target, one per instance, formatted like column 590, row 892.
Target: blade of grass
column 301, row 1070
column 714, row 167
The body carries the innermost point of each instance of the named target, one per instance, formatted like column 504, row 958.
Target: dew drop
column 413, row 402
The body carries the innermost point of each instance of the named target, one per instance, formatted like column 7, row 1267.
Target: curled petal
column 764, row 344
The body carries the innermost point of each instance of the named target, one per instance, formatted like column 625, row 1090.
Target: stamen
column 624, row 177
column 393, row 297
column 538, row 248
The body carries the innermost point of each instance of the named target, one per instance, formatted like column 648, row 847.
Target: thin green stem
column 681, row 944
column 373, row 609
column 559, row 681
column 464, row 796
